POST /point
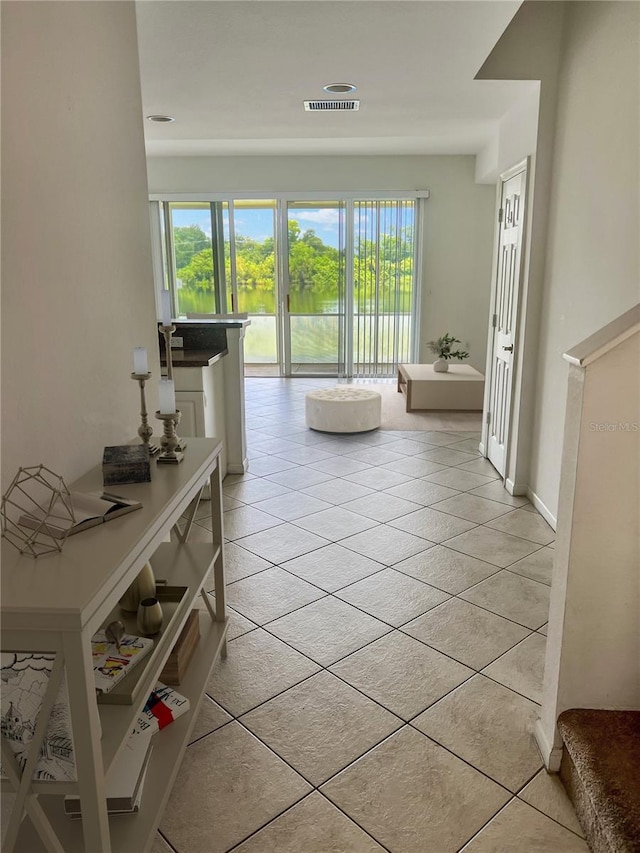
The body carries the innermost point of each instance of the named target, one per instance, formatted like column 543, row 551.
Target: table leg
column 86, row 743
column 218, row 538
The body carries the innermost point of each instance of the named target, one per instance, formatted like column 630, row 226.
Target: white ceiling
column 234, row 73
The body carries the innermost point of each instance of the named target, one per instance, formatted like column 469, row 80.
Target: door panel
column 188, row 230
column 250, row 262
column 350, row 300
column 505, row 318
column 314, row 318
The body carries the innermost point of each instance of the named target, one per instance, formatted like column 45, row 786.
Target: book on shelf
column 163, row 706
column 112, row 662
column 125, row 780
column 182, row 652
column 135, row 808
column 25, row 678
column 89, row 509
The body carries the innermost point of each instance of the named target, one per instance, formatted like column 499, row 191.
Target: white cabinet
column 56, row 603
column 200, row 396
column 209, row 384
column 191, row 405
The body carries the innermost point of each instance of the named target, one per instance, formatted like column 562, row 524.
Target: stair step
column 601, row 772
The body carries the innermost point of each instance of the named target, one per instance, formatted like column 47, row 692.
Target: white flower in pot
column 442, row 348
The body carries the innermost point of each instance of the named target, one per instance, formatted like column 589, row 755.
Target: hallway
column 389, row 603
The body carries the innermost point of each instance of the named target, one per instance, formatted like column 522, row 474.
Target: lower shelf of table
column 181, row 565
column 134, row 833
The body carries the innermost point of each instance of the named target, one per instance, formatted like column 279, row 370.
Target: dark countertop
column 227, row 321
column 194, row 357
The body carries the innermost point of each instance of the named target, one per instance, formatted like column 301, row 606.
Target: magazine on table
column 111, row 661
column 163, row 706
column 89, row 509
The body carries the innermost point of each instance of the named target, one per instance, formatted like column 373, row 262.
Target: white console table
column 57, row 602
column 460, row 388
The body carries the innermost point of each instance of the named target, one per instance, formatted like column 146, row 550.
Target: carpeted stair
column 601, row 771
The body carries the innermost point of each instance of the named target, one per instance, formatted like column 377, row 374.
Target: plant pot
column 440, row 365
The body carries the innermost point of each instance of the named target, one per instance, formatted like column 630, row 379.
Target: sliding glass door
column 188, row 228
column 314, row 288
column 249, row 229
column 329, row 285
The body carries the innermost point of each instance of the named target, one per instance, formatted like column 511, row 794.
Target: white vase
column 144, row 586
column 440, row 365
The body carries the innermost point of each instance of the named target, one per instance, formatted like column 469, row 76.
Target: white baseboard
column 482, row 450
column 542, row 508
column 238, row 469
column 515, row 488
column 551, row 755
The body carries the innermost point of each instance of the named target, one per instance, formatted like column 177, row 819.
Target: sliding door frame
column 283, row 322
column 348, row 287
column 166, row 270
column 361, row 195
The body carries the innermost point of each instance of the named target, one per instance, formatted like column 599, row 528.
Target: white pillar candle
column 165, row 296
column 140, row 363
column 167, row 397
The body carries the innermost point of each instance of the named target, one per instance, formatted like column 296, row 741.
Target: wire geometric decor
column 39, row 492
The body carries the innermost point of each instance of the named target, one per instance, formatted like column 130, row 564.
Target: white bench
column 343, row 409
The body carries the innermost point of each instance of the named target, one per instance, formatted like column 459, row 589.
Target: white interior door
column 505, row 308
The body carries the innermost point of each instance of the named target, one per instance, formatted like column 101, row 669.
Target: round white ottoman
column 343, row 409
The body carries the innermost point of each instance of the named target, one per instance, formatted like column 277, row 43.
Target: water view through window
column 330, row 291
column 250, row 274
column 315, row 314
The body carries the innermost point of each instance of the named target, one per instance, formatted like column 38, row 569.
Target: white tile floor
column 389, row 605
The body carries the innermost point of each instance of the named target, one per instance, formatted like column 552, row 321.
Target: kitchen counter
column 194, row 357
column 209, row 383
column 229, row 321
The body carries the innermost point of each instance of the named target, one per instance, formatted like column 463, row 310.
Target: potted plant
column 442, row 348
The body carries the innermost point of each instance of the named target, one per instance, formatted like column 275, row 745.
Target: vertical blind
column 383, row 284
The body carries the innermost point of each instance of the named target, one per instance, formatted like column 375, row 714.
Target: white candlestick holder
column 170, row 443
column 145, row 430
column 168, row 331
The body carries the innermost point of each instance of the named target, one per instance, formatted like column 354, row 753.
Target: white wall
column 458, row 226
column 76, row 266
column 592, row 273
column 516, row 138
column 530, row 49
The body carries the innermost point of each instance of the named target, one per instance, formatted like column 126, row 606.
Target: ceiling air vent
column 313, row 106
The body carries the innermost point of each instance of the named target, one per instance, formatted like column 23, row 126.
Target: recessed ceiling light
column 160, row 119
column 339, row 88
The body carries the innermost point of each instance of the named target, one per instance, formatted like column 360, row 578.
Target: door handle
column 288, row 304
column 508, row 349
